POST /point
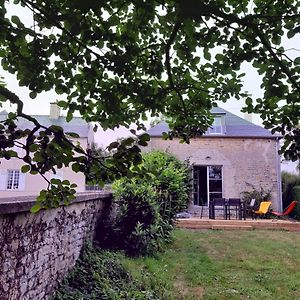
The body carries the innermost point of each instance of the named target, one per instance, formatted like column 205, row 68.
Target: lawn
column 225, row 265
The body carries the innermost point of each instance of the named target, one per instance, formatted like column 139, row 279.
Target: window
column 215, row 182
column 207, row 184
column 216, row 127
column 13, row 180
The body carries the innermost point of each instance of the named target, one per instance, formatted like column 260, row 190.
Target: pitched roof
column 234, row 127
column 77, row 124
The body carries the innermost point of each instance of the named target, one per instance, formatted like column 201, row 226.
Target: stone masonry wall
column 37, row 250
column 246, row 162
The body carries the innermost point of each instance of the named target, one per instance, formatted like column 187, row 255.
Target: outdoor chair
column 250, row 208
column 263, row 209
column 286, row 212
column 218, row 204
column 234, row 204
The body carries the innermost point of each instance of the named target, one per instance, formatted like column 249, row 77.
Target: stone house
column 232, row 157
column 15, row 183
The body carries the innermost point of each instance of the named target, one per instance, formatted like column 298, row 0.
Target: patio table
column 224, row 205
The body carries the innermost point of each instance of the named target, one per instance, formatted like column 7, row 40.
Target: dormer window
column 217, row 127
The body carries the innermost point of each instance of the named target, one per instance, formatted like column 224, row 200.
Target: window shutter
column 22, row 181
column 3, row 180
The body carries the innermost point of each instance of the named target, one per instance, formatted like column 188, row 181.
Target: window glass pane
column 10, row 175
column 13, row 179
column 215, row 195
column 215, row 186
column 215, row 172
column 16, row 180
column 200, row 185
column 217, row 121
column 215, row 182
column 216, row 127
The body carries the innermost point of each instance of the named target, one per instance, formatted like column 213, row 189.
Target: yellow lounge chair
column 263, row 208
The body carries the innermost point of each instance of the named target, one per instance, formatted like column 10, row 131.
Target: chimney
column 54, row 111
column 248, row 117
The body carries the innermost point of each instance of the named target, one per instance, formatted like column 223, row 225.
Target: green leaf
column 249, row 101
column 76, row 167
column 33, row 147
column 25, row 168
column 56, row 128
column 206, row 54
column 2, row 52
column 16, row 20
column 36, row 208
column 69, row 116
column 297, row 61
column 219, row 57
column 63, row 104
column 142, row 143
column 291, row 33
column 32, row 95
column 73, row 134
column 55, row 181
column 144, row 137
column 113, row 145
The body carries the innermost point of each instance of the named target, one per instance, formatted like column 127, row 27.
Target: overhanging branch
column 168, row 63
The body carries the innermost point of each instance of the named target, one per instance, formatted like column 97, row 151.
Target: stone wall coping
column 11, row 205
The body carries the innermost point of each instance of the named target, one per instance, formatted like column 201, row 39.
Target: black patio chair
column 219, row 204
column 250, row 208
column 234, row 204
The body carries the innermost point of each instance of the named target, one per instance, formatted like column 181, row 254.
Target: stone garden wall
column 37, row 250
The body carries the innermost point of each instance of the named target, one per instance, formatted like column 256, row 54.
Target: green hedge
column 147, row 206
column 289, row 181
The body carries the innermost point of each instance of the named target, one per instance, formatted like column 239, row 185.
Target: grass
column 224, row 265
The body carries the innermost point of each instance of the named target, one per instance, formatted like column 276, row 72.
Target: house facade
column 15, row 183
column 234, row 156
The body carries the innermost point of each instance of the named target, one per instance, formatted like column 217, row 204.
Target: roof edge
column 227, row 136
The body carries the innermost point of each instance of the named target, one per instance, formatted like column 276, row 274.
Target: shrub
column 296, row 197
column 139, row 228
column 171, row 181
column 258, row 194
column 147, row 208
column 289, row 181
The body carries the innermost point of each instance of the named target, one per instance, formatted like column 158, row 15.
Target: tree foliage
column 114, row 61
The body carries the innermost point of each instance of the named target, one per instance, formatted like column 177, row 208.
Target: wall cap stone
column 11, row 205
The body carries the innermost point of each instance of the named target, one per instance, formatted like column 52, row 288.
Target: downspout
column 279, row 183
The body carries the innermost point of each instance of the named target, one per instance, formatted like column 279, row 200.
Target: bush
column 139, row 228
column 289, row 181
column 171, row 181
column 100, row 274
column 147, row 208
column 258, row 194
column 296, row 197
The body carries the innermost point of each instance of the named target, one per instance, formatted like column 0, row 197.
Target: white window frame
column 13, row 180
column 216, row 128
column 209, row 192
column 222, row 181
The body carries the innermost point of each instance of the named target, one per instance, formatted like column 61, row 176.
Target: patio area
column 205, row 223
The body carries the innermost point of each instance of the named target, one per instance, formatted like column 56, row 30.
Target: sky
column 41, row 104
